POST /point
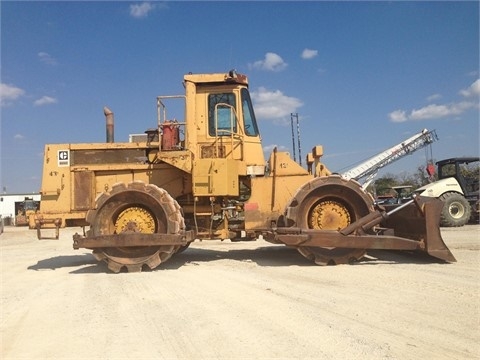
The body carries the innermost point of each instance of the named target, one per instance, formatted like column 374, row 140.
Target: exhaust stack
column 109, row 124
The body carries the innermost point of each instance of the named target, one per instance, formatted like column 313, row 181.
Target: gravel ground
column 223, row 300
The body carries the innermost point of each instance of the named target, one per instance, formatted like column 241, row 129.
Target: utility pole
column 293, row 137
column 292, row 115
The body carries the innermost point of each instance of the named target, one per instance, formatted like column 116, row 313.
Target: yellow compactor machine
column 205, row 177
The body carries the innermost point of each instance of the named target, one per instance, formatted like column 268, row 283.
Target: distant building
column 13, row 204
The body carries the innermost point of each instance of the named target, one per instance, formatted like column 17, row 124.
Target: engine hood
column 440, row 187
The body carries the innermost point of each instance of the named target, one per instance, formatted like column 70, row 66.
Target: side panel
column 215, row 177
column 56, row 182
column 83, row 189
column 269, row 198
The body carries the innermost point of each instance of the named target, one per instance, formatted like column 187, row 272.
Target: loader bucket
column 421, row 221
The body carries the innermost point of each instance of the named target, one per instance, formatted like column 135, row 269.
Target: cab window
column 448, row 170
column 221, row 114
column 249, row 120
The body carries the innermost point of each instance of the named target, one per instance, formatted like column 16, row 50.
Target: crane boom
column 369, row 168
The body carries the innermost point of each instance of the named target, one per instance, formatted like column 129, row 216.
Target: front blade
column 421, row 221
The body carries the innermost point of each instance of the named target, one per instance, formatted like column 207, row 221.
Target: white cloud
column 398, row 116
column 45, row 100
column 46, row 58
column 432, row 111
column 434, row 97
column 274, row 104
column 271, row 62
column 141, row 10
column 18, row 137
column 309, row 53
column 472, row 90
column 9, row 93
column 438, row 111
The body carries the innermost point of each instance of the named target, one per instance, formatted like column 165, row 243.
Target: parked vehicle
column 458, row 188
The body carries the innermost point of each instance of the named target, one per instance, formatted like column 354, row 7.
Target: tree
column 383, row 185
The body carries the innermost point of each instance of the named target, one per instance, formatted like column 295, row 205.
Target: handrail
column 162, row 114
column 232, row 133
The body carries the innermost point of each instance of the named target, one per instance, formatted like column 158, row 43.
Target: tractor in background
column 458, row 188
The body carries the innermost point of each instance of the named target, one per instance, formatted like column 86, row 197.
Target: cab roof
column 462, row 160
column 231, row 77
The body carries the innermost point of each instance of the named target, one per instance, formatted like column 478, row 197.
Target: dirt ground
column 224, row 300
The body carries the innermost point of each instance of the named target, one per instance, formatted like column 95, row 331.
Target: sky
column 362, row 76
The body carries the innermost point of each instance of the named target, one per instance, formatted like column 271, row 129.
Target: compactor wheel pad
column 136, row 207
column 329, row 203
column 334, row 256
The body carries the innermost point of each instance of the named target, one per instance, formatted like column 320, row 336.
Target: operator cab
column 221, row 122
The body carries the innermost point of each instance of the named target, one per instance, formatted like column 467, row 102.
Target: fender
column 437, row 188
